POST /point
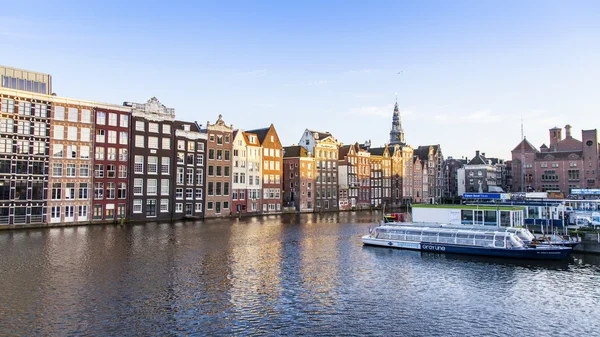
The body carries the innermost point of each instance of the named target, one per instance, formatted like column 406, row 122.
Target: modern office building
column 24, row 157
column 25, row 80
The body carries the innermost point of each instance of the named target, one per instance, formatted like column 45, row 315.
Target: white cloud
column 360, row 71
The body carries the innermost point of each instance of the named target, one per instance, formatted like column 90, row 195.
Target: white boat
column 461, row 241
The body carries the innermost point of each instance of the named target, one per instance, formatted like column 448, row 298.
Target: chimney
column 483, row 154
column 477, row 153
column 568, row 130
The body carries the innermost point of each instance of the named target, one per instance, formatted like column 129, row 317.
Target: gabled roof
column 247, row 138
column 193, row 126
column 543, row 146
column 261, row 134
column 478, row 160
column 378, row 151
column 295, row 151
column 327, row 134
column 527, row 147
column 343, row 151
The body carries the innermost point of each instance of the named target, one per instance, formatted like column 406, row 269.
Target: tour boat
column 524, row 234
column 461, row 241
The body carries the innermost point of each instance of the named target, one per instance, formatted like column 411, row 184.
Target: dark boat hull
column 539, row 253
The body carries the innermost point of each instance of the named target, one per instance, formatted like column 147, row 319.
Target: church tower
column 396, row 134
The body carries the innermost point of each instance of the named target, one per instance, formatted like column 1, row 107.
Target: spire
column 396, row 134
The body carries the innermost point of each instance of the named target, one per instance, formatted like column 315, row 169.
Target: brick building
column 219, row 161
column 298, row 178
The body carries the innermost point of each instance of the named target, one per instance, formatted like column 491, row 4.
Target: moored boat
column 523, row 233
column 461, row 241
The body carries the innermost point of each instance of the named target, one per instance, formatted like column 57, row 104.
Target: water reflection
column 282, row 275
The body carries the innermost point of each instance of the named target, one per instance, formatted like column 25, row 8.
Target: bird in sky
column 400, row 72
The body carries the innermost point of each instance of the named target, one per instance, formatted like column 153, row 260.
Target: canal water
column 280, row 275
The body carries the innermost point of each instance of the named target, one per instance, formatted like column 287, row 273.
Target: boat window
column 499, row 242
column 505, row 218
column 467, row 216
column 478, row 217
column 490, row 218
column 533, row 212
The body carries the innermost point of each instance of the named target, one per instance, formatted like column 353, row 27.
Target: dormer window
column 186, row 127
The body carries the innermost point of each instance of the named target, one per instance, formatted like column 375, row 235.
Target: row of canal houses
column 321, row 174
column 67, row 161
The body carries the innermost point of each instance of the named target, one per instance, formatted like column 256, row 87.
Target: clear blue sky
column 470, row 69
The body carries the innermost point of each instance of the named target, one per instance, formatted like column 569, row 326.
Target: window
column 200, row 159
column 112, row 153
column 180, row 157
column 165, row 163
column 210, row 188
column 112, row 137
column 198, row 194
column 164, row 187
column 57, row 151
column 138, row 166
column 151, row 207
column 189, row 176
column 151, row 187
column 227, row 155
column 234, row 194
column 70, row 191
column 98, row 190
column 86, row 116
column 200, row 147
column 166, row 129
column 191, row 146
column 139, row 141
column 139, row 126
column 152, row 165
column 219, row 171
column 7, row 126
column 85, row 134
column 166, row 143
column 59, row 113
column 110, row 190
column 111, row 171
column 59, row 132
column 99, row 155
column 220, row 139
column 179, row 193
column 225, row 204
column 123, row 155
column 84, row 170
column 211, row 154
column 72, row 114
column 71, row 170
column 209, row 205
column 198, row 207
column 122, row 192
column 57, row 169
column 179, row 177
column 164, row 205
column 98, row 171
column 178, row 208
column 199, row 176
column 100, row 136
column 112, row 119
column 56, row 192
column 227, row 169
column 83, row 191
column 189, row 193
column 218, row 186
column 137, row 206
column 101, row 118
column 153, row 142
column 138, row 186
column 124, row 120
column 181, row 145
column 71, row 152
column 153, row 127
column 122, row 171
